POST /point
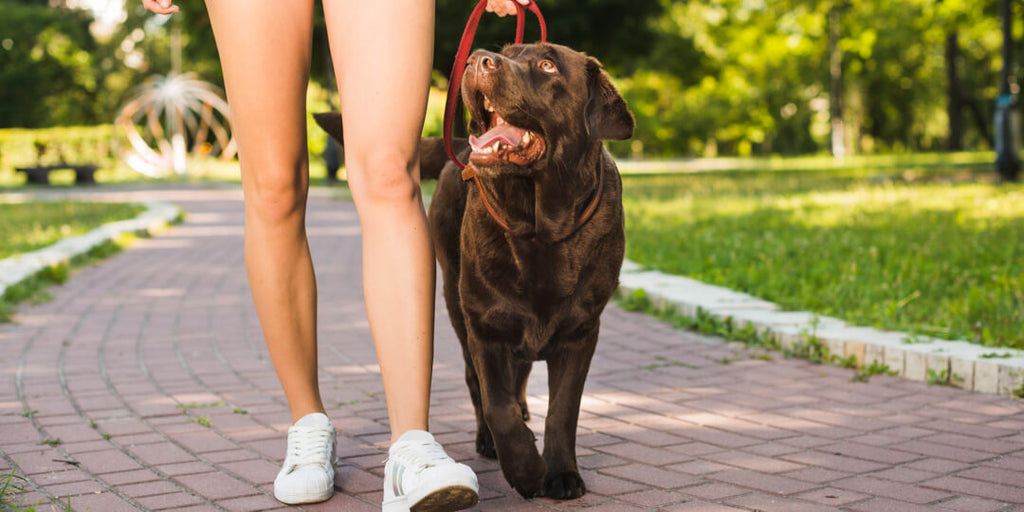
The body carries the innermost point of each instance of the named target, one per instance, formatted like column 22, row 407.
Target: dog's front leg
column 484, row 440
column 513, row 440
column 567, row 371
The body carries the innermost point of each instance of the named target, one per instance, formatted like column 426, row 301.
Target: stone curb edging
column 1000, row 375
column 19, row 267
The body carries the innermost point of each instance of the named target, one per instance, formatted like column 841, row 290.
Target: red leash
column 454, row 91
column 455, row 81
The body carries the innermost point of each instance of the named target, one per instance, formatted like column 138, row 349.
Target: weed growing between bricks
column 756, row 342
column 13, row 485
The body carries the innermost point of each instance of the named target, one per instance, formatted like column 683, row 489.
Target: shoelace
column 419, row 455
column 307, row 446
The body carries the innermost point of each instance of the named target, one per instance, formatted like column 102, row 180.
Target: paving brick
column 645, row 454
column 904, row 474
column 754, row 462
column 701, row 506
column 889, row 505
column 713, row 491
column 762, row 482
column 699, row 467
column 889, row 489
column 175, row 501
column 832, row 496
column 652, row 476
column 216, row 486
column 973, row 504
column 977, row 488
column 652, row 499
column 834, row 461
column 250, row 503
column 943, row 451
column 100, row 501
column 256, row 471
column 767, row 503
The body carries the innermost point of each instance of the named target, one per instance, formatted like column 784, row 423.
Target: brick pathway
column 150, row 370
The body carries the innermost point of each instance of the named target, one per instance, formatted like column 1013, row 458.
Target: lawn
column 29, row 226
column 926, row 251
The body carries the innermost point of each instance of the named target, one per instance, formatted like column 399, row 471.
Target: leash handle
column 465, row 44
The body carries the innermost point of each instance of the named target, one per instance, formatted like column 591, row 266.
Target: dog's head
column 533, row 103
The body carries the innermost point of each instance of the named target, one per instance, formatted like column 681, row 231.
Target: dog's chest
column 545, row 272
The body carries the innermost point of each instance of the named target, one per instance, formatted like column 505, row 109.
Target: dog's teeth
column 526, row 138
column 487, row 105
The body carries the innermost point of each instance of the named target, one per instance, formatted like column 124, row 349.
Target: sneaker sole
column 447, row 499
column 298, row 499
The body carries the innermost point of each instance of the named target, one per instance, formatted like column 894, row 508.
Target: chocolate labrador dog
column 531, row 252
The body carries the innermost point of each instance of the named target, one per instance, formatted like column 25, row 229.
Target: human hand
column 160, row 6
column 503, row 7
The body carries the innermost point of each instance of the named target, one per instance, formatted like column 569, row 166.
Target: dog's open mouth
column 503, row 141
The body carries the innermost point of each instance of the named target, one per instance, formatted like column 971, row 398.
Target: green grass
column 930, row 252
column 29, row 226
column 12, row 486
column 34, row 288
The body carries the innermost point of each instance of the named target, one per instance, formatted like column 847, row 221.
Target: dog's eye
column 547, row 66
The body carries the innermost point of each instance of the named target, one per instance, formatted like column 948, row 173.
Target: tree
column 45, row 65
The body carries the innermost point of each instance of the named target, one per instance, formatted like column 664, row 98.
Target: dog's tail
column 432, row 154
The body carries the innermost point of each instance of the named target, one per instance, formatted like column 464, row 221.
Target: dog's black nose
column 484, row 61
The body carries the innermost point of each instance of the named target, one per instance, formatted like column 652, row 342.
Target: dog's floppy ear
column 331, row 123
column 608, row 118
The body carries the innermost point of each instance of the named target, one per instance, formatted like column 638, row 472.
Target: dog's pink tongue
column 511, row 135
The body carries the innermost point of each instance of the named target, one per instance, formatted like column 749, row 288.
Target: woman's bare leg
column 265, row 50
column 382, row 53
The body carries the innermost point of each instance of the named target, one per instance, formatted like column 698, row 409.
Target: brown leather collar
column 469, row 174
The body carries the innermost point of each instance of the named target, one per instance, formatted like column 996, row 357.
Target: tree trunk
column 954, row 104
column 836, row 87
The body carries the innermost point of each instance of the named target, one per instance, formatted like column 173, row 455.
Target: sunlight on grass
column 26, row 227
column 937, row 254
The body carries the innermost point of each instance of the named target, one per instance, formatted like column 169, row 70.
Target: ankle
column 299, row 412
column 397, row 434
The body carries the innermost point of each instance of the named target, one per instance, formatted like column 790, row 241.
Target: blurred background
column 704, row 78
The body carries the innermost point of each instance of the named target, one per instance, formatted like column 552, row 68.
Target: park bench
column 40, row 174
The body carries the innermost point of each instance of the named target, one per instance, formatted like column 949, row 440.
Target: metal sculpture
column 172, row 119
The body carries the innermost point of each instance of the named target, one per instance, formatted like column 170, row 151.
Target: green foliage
column 615, row 31
column 875, row 368
column 21, row 147
column 931, row 253
column 202, row 419
column 199, row 405
column 11, row 484
column 45, row 67
column 943, row 378
column 739, row 77
column 663, row 362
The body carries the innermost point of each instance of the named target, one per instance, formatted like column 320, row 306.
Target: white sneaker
column 307, row 475
column 420, row 477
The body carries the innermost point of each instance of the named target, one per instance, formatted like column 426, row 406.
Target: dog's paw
column 485, row 445
column 564, row 486
column 528, row 487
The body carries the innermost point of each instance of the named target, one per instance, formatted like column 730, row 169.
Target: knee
column 383, row 177
column 276, row 197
